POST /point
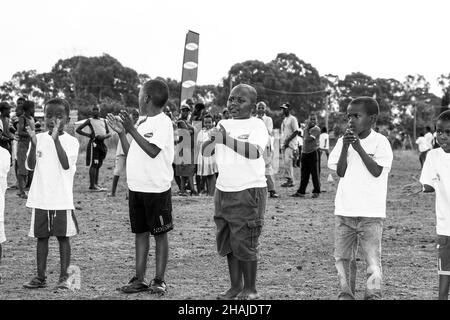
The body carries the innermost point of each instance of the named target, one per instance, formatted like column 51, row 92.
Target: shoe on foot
column 273, row 194
column 63, row 283
column 35, row 283
column 287, row 184
column 110, row 195
column 298, row 195
column 158, row 286
column 134, row 286
column 315, row 195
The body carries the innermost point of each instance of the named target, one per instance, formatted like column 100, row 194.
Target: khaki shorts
column 239, row 217
column 120, row 165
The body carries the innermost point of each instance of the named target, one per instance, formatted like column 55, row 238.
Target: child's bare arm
column 80, row 131
column 62, row 155
column 31, row 158
column 370, row 164
column 208, row 148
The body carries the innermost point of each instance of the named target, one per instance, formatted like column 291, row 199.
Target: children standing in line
column 207, row 167
column 149, row 176
column 5, row 161
column 362, row 158
column 53, row 156
column 119, row 166
column 435, row 177
column 241, row 190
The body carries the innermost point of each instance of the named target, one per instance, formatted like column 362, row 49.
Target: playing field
column 296, row 245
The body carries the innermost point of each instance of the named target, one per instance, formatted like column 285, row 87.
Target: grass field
column 296, row 244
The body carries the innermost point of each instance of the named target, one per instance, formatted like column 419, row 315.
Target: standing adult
column 96, row 149
column 25, row 120
column 309, row 159
column 261, row 109
column 6, row 136
column 289, row 132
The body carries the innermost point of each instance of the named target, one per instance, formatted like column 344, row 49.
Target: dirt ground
column 296, row 244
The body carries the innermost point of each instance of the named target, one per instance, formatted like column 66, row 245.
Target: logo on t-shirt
column 243, row 137
column 148, row 135
column 39, row 154
column 371, row 155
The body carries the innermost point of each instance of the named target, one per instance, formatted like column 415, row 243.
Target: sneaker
column 35, row 283
column 158, row 286
column 134, row 286
column 298, row 195
column 63, row 283
column 287, row 184
column 273, row 194
column 315, row 195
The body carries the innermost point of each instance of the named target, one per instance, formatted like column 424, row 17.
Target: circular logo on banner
column 191, row 46
column 190, row 65
column 188, row 84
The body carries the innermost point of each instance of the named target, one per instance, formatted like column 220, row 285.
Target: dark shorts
column 58, row 223
column 239, row 217
column 150, row 212
column 95, row 153
column 443, row 246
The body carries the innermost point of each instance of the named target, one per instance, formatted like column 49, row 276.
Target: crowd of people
column 230, row 159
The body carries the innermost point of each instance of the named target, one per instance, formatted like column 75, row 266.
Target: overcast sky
column 382, row 38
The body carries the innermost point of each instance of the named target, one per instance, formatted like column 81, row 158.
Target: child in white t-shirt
column 5, row 160
column 435, row 177
column 423, row 147
column 149, row 175
column 53, row 156
column 207, row 166
column 362, row 159
column 241, row 190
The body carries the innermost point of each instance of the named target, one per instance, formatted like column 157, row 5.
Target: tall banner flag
column 190, row 66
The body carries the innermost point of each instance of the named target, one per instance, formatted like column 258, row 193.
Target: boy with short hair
column 435, row 177
column 241, row 190
column 362, row 159
column 5, row 160
column 120, row 163
column 149, row 176
column 53, row 156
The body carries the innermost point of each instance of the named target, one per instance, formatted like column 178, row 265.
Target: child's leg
column 22, row 182
column 142, row 243
column 191, row 184
column 41, row 257
column 162, row 255
column 91, row 177
column 444, row 285
column 182, row 184
column 97, row 170
column 64, row 255
column 249, row 269
column 235, row 270
column 211, row 184
column 114, row 185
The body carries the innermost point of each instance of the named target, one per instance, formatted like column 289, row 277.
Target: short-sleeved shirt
column 237, row 173
column 429, row 140
column 359, row 193
column 288, row 127
column 311, row 145
column 52, row 186
column 422, row 144
column 324, row 141
column 436, row 173
column 119, row 149
column 147, row 174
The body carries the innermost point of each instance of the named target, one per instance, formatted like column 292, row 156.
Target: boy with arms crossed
column 149, row 176
column 435, row 177
column 362, row 159
column 241, row 190
column 53, row 156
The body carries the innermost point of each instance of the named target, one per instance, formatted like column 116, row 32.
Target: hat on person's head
column 189, row 101
column 225, row 110
column 285, row 105
column 4, row 105
column 185, row 106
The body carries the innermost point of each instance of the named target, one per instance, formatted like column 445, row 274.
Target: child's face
column 358, row 119
column 239, row 103
column 208, row 123
column 260, row 110
column 54, row 112
column 95, row 112
column 443, row 134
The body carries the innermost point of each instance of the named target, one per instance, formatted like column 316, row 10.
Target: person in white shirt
column 429, row 137
column 149, row 175
column 261, row 108
column 121, row 158
column 435, row 177
column 53, row 157
column 424, row 147
column 5, row 160
column 324, row 145
column 241, row 190
column 289, row 144
column 362, row 159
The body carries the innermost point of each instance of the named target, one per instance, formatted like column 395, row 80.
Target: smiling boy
column 241, row 190
column 53, row 156
column 362, row 159
column 435, row 177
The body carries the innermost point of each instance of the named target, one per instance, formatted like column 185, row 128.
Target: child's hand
column 56, row 127
column 127, row 121
column 32, row 134
column 348, row 138
column 115, row 122
column 412, row 189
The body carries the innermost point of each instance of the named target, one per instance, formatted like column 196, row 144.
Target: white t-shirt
column 147, row 174
column 359, row 193
column 429, row 140
column 436, row 173
column 237, row 173
column 422, row 144
column 52, row 186
column 288, row 126
column 324, row 141
column 119, row 149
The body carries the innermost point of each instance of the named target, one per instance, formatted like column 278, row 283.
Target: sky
column 381, row 38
